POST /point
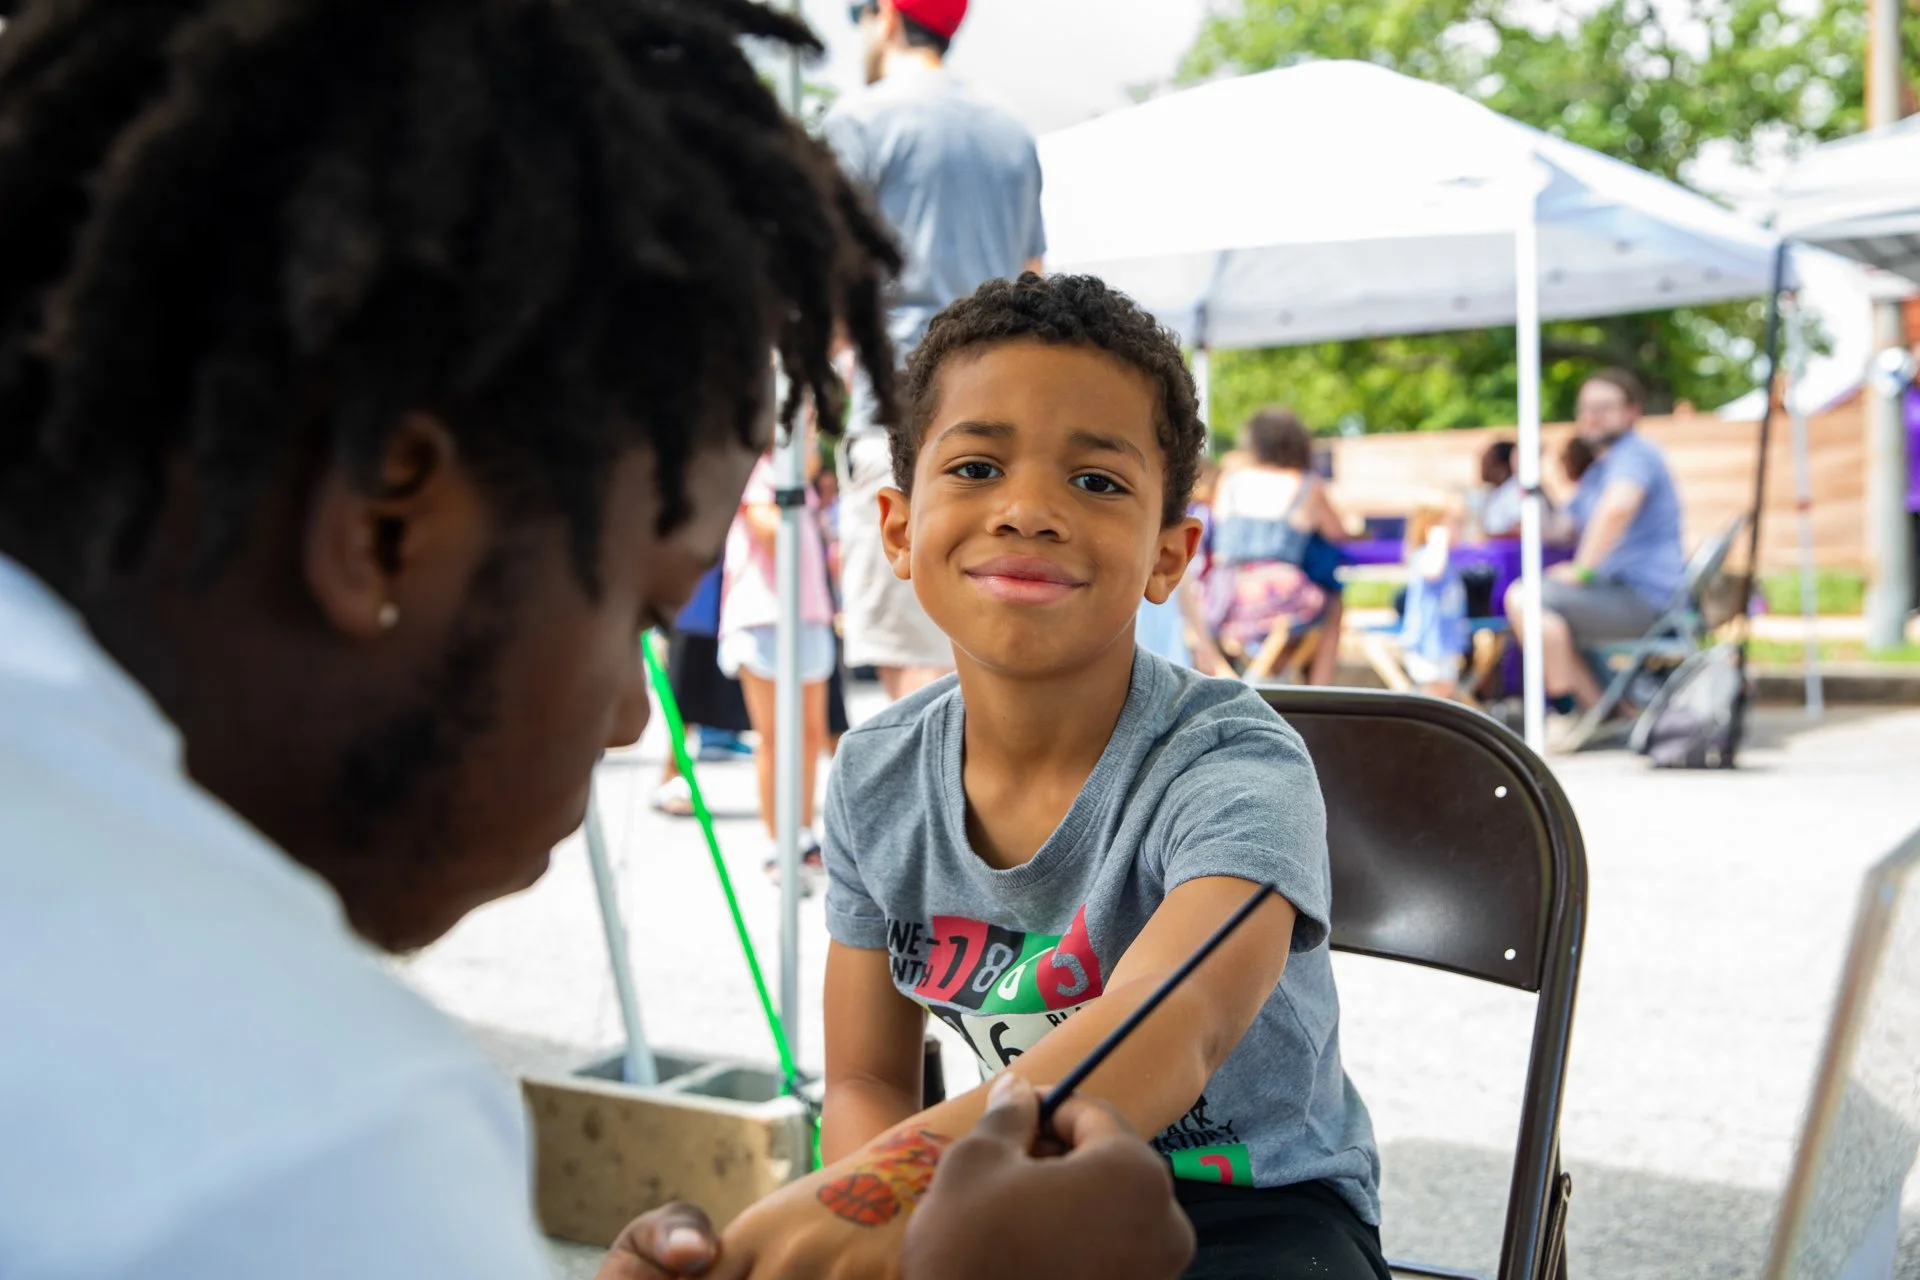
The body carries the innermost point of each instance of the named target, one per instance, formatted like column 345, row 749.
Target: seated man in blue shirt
column 1626, row 519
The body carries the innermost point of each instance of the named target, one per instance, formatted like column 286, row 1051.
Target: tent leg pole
column 790, row 479
column 1526, row 275
column 1202, row 364
column 789, row 465
column 1803, row 506
column 637, row 1064
column 1890, row 570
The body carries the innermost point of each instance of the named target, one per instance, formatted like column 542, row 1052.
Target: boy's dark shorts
column 1302, row 1232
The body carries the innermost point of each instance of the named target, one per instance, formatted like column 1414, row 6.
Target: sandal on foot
column 674, row 798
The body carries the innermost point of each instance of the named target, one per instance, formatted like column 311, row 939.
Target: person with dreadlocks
column 371, row 373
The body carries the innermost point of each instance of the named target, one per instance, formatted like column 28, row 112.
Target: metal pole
column 1526, row 286
column 1803, row 505
column 1758, row 512
column 1890, row 571
column 1202, row 364
column 638, row 1066
column 790, row 478
column 1883, row 63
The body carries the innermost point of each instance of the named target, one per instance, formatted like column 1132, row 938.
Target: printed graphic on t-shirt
column 1205, row 1147
column 999, row 988
column 1002, row 990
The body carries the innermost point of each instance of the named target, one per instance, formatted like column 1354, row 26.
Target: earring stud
column 389, row 616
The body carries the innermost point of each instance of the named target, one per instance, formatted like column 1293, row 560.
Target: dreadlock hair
column 1062, row 310
column 247, row 234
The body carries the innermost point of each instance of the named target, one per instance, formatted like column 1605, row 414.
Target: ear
column 404, row 549
column 896, row 531
column 1172, row 554
column 889, row 20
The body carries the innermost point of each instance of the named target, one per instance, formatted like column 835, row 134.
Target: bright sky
column 1052, row 62
column 1057, row 62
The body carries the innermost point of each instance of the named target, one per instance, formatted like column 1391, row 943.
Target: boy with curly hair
column 1027, row 849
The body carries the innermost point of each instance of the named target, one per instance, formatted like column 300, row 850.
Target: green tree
column 1738, row 73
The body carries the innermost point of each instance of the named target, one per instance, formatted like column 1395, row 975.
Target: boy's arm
column 996, row 1208
column 850, row 1218
column 1250, row 810
column 874, row 1051
column 873, row 1033
column 1158, row 1072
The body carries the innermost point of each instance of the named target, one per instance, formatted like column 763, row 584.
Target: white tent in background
column 1838, row 295
column 1340, row 200
column 1859, row 197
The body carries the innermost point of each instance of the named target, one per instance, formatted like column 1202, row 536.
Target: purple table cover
column 1502, row 556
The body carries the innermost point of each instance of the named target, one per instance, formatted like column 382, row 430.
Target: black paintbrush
column 1076, row 1077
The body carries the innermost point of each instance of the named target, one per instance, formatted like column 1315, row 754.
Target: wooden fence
column 1713, row 468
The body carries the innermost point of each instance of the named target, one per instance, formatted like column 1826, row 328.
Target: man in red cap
column 958, row 180
column 912, row 24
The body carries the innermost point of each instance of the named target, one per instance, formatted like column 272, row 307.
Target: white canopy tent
column 1340, row 200
column 1859, row 197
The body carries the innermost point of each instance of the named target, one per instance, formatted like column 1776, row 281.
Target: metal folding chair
column 1453, row 847
column 1708, row 599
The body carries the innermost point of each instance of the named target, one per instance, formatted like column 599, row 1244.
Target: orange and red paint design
column 891, row 1180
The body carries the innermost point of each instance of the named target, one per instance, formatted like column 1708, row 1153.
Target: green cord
column 677, row 734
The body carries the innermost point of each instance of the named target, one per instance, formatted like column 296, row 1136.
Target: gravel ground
column 1719, row 912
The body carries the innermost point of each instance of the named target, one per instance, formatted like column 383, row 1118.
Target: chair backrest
column 1715, row 596
column 1450, row 842
column 1453, row 847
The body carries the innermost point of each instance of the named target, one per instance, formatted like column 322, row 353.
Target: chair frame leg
column 1611, row 697
column 1274, row 653
column 1668, row 630
column 1555, row 1264
column 1382, row 658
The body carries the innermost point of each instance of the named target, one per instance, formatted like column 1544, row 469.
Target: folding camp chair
column 1286, row 649
column 1487, row 646
column 1453, row 847
column 1708, row 599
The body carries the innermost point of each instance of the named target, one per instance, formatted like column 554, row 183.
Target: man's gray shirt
column 1200, row 778
column 958, row 180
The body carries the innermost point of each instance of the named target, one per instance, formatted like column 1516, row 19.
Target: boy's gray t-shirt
column 1200, row 778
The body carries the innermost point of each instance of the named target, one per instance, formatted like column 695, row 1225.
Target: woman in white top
column 1273, row 526
column 1500, row 514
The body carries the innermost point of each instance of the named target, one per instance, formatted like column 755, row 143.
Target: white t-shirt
column 749, row 594
column 203, row 1072
column 1502, row 514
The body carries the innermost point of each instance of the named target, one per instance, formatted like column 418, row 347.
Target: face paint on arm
column 887, row 1181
